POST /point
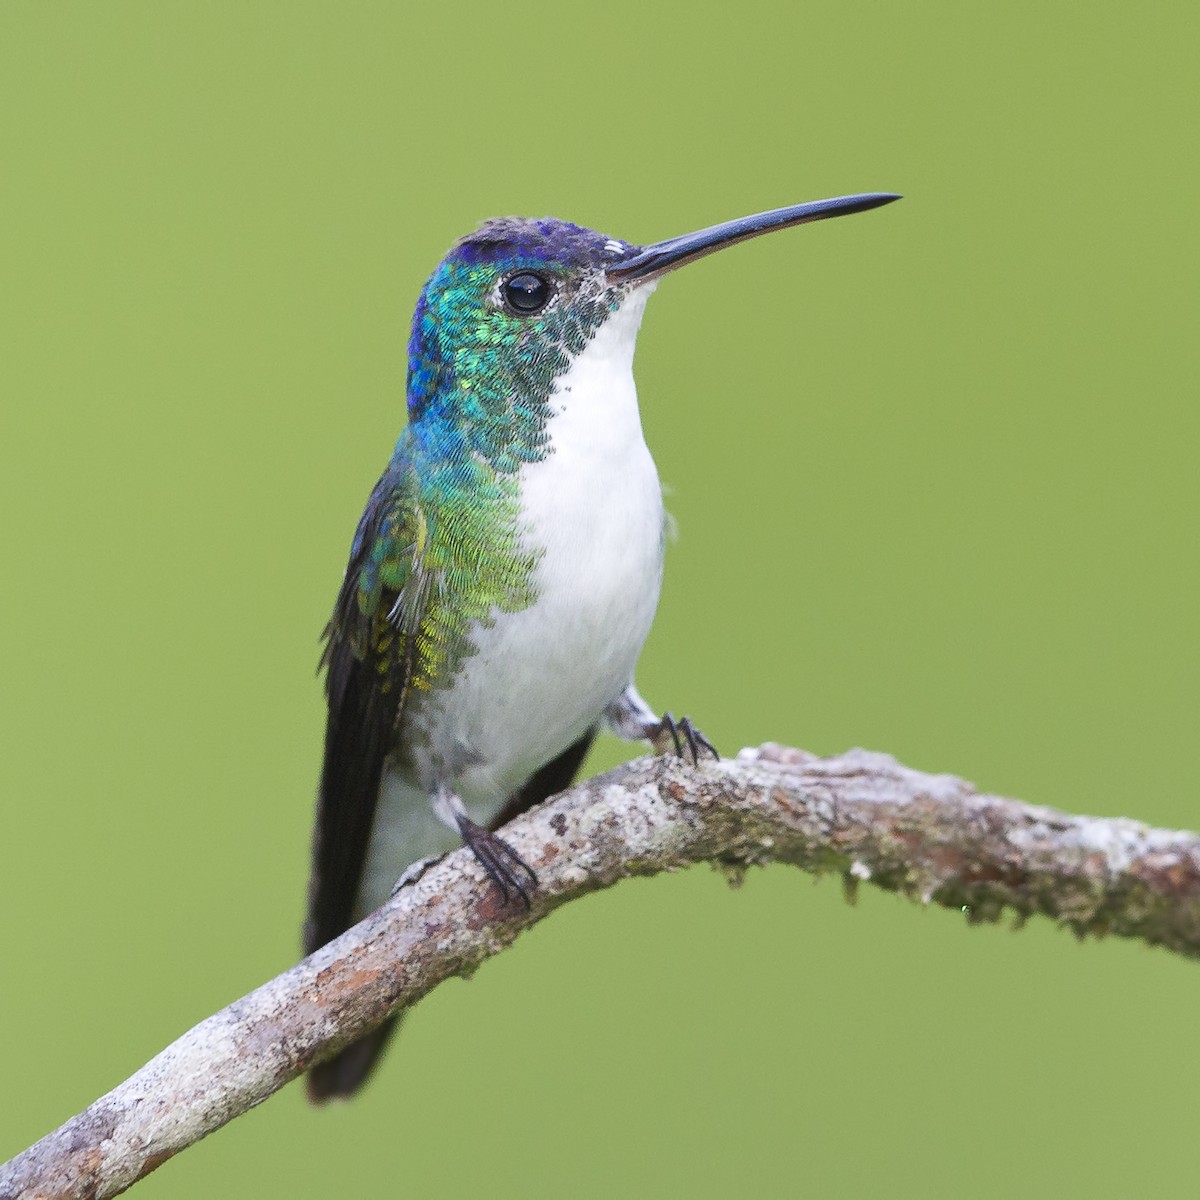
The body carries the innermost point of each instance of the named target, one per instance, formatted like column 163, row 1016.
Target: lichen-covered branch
column 931, row 837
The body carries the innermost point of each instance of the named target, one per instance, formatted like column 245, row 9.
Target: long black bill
column 652, row 261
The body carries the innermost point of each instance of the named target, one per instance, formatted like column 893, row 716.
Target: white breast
column 541, row 677
column 593, row 513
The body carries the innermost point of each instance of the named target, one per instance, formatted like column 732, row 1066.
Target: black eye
column 527, row 293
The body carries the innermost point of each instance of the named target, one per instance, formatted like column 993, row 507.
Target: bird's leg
column 504, row 866
column 631, row 718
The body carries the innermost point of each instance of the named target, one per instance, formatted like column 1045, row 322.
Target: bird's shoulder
column 384, row 590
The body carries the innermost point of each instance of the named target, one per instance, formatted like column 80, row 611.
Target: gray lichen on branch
column 932, row 838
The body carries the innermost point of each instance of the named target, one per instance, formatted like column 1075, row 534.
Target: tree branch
column 929, row 837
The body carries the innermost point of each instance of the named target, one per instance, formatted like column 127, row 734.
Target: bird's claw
column 683, row 737
column 504, row 866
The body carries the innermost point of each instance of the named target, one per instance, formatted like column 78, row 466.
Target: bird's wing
column 373, row 660
column 370, row 650
column 556, row 776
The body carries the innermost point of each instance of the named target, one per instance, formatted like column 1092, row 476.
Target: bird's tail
column 340, row 1077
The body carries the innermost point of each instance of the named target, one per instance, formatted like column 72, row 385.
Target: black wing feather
column 556, row 776
column 365, row 701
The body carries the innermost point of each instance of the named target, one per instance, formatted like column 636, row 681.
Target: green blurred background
column 934, row 472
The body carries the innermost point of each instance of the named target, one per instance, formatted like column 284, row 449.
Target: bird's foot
column 680, row 736
column 504, row 866
column 631, row 718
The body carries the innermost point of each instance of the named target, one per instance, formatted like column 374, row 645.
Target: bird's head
column 512, row 304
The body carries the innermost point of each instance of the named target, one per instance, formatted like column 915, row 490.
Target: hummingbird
column 506, row 570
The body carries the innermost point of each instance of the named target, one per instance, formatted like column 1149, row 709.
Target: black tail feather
column 345, row 1073
column 341, row 1076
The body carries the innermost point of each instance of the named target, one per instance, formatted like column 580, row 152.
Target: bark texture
column 932, row 838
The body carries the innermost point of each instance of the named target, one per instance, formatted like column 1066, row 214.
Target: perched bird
column 506, row 570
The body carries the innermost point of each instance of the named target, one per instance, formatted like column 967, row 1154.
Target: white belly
column 540, row 678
